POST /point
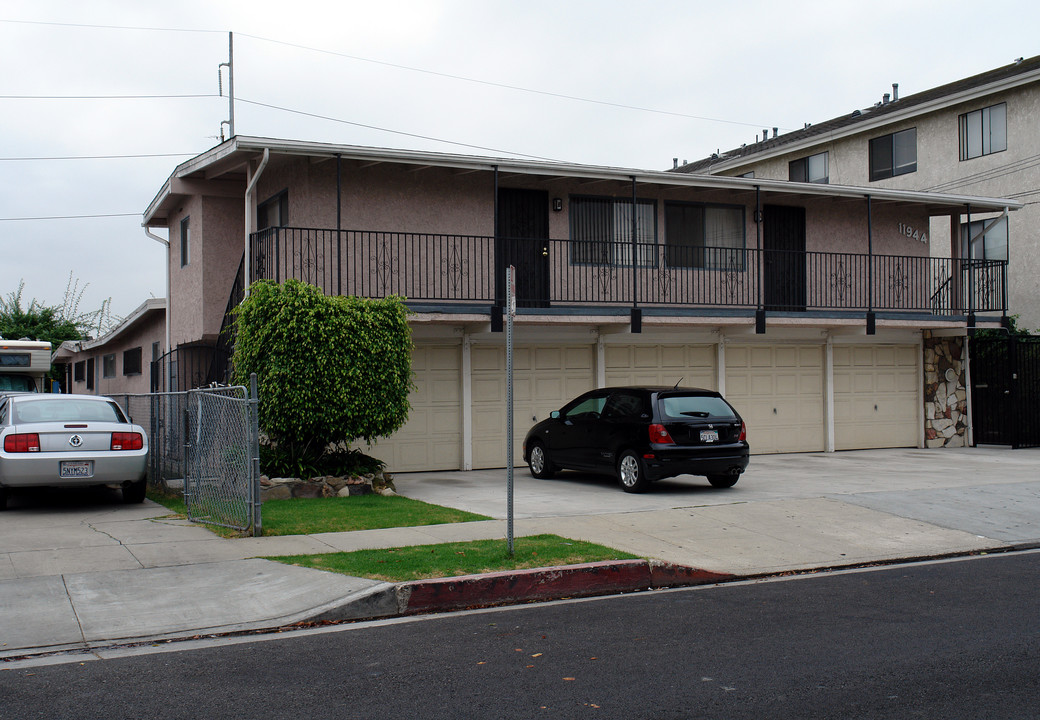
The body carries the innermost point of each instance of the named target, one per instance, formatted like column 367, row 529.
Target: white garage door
column 876, row 396
column 661, row 365
column 544, row 378
column 778, row 390
column 431, row 439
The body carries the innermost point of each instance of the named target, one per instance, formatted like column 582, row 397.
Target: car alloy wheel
column 630, row 473
column 537, row 460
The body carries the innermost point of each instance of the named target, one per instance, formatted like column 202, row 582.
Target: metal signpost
column 510, row 312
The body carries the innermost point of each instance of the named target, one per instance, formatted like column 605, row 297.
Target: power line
column 387, row 130
column 409, row 68
column 109, row 97
column 505, row 86
column 97, row 157
column 71, row 217
column 112, row 27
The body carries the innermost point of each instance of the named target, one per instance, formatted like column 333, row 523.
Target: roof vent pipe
column 895, row 91
column 765, row 134
column 675, row 163
column 885, row 98
column 776, row 131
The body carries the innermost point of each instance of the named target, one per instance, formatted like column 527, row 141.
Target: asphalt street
column 951, row 639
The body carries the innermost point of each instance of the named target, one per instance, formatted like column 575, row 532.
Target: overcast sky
column 626, row 84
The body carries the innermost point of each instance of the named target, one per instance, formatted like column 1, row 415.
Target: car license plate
column 708, row 436
column 77, row 469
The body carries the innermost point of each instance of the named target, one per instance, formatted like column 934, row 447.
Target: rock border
column 380, row 483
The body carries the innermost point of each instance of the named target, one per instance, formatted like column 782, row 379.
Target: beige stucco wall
column 1003, row 174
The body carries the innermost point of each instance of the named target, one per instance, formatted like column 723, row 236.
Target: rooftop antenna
column 230, row 65
column 676, row 387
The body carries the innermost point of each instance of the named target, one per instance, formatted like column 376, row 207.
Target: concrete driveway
column 786, row 512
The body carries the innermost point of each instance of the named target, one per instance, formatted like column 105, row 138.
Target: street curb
column 550, row 583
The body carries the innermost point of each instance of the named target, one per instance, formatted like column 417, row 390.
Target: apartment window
column 894, row 154
column 991, row 245
column 108, row 366
column 273, row 212
column 90, row 373
column 132, row 361
column 983, row 131
column 185, row 241
column 812, row 169
column 601, row 231
column 79, row 371
column 704, row 236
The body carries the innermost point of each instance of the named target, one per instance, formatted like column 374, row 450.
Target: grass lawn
column 465, row 558
column 306, row 516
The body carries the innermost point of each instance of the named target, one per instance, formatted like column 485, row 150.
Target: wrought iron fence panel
column 427, row 267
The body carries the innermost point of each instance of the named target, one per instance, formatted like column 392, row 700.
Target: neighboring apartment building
column 807, row 305
column 119, row 361
column 976, row 136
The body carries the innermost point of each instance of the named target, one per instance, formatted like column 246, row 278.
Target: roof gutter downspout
column 166, row 349
column 250, row 188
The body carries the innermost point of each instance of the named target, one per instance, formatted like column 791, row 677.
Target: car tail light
column 127, row 441
column 743, row 432
column 658, row 434
column 22, row 442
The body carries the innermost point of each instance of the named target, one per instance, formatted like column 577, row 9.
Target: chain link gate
column 205, row 444
column 221, row 479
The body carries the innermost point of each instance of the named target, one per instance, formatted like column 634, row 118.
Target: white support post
column 601, row 362
column 828, row 393
column 720, row 365
column 467, row 402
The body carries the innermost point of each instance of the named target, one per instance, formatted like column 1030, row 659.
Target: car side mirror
column 555, row 414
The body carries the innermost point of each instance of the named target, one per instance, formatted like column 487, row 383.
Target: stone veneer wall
column 945, row 393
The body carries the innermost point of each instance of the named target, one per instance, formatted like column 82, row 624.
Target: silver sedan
column 70, row 440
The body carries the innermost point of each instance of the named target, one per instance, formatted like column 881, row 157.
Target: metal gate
column 205, row 444
column 221, row 479
column 1005, row 390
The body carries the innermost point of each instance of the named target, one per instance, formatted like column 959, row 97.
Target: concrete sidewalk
column 76, row 577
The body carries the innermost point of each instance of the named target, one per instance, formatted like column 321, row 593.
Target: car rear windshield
column 64, row 410
column 681, row 407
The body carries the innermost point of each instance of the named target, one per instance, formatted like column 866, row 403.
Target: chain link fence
column 204, row 445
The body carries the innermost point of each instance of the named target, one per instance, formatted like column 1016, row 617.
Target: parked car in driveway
column 642, row 434
column 70, row 440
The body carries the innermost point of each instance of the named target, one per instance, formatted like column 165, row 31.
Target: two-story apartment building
column 809, row 306
column 976, row 136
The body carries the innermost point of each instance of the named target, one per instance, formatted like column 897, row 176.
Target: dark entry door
column 783, row 240
column 1005, row 390
column 523, row 241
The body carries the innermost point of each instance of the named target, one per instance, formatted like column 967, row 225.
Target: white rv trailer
column 24, row 365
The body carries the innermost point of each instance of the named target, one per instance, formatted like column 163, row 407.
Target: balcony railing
column 468, row 269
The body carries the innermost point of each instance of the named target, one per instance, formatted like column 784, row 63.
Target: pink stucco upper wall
column 433, row 200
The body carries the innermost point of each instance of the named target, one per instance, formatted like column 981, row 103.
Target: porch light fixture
column 557, row 204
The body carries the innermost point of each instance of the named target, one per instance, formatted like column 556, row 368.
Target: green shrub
column 331, row 370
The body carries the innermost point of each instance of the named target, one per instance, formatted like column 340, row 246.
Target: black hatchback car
column 642, row 434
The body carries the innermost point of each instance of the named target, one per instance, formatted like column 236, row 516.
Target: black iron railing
column 432, row 268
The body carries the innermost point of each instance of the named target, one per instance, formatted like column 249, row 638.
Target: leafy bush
column 331, row 370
